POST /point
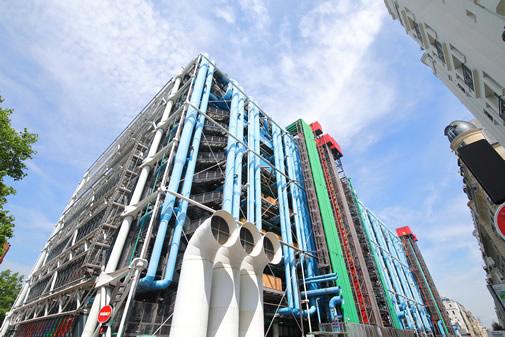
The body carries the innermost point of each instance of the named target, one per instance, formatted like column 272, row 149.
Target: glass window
column 268, row 247
column 219, row 229
column 467, row 76
column 246, row 239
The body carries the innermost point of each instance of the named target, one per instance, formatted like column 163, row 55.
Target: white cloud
column 226, row 13
column 257, row 14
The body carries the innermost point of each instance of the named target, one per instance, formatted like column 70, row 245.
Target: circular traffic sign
column 104, row 314
column 499, row 220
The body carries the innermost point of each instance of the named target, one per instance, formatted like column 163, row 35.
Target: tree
column 15, row 149
column 10, row 285
column 496, row 326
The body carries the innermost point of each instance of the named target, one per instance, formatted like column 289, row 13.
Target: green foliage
column 496, row 326
column 10, row 285
column 15, row 149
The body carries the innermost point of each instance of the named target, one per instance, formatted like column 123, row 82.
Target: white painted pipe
column 117, row 249
column 225, row 295
column 192, row 302
column 251, row 318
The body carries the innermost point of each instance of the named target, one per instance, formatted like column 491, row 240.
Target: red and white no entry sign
column 499, row 220
column 104, row 314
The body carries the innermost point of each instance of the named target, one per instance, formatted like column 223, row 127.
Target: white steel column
column 117, row 249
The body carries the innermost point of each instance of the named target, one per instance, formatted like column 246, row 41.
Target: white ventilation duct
column 220, row 290
column 191, row 311
column 267, row 250
column 224, row 303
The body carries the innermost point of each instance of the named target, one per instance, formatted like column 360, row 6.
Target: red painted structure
column 324, row 143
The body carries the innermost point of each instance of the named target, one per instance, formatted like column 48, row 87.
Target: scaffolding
column 429, row 292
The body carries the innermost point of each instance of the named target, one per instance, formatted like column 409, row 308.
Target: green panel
column 329, row 225
column 392, row 311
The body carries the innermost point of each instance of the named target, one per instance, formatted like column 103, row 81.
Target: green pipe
column 350, row 313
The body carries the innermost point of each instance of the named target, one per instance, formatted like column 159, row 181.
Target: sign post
column 104, row 314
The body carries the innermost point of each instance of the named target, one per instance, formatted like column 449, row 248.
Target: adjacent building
column 462, row 42
column 464, row 322
column 482, row 164
column 204, row 179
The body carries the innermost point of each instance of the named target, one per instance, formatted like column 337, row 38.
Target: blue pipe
column 329, row 279
column 251, row 161
column 186, row 190
column 231, row 150
column 322, row 292
column 179, row 162
column 284, row 212
column 369, row 227
column 335, row 301
column 286, row 251
column 331, row 275
column 257, row 168
column 239, row 152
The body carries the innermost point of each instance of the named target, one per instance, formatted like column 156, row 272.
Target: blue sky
column 77, row 72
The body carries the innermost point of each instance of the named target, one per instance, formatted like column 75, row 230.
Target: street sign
column 104, row 314
column 499, row 220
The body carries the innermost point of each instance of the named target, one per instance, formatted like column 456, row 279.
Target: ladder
column 104, row 237
column 326, row 159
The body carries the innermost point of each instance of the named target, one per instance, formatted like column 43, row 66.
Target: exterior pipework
column 175, row 178
column 113, row 260
column 239, row 153
column 251, row 162
column 393, row 305
column 336, row 256
column 289, row 259
column 186, row 189
column 225, row 294
column 407, row 285
column 193, row 299
column 257, row 167
column 401, row 307
column 251, row 320
column 413, row 287
column 231, row 149
column 407, row 282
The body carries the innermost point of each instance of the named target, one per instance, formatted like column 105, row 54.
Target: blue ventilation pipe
column 231, row 149
column 376, row 229
column 147, row 282
column 284, row 209
column 257, row 167
column 251, row 162
column 291, row 289
column 369, row 227
column 185, row 191
column 239, row 153
column 320, row 280
column 331, row 276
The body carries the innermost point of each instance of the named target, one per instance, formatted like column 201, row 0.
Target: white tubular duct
column 267, row 250
column 91, row 322
column 192, row 302
column 225, row 296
